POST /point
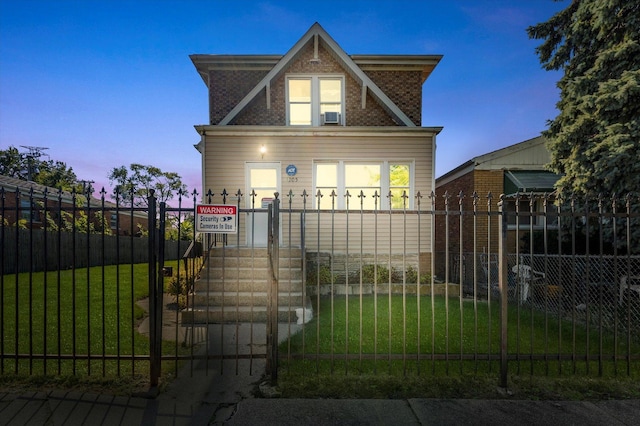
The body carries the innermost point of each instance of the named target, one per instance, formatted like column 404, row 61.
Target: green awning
column 538, row 181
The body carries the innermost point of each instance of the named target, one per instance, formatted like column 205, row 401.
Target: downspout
column 433, row 163
column 201, row 147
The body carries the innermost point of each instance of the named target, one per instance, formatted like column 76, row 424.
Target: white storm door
column 264, row 180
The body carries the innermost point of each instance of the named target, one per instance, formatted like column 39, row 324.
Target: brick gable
column 229, row 86
column 404, row 88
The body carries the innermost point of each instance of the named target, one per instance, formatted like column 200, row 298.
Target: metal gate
column 228, row 295
column 89, row 287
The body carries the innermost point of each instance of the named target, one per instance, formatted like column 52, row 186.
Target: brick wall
column 404, row 89
column 228, row 88
column 483, row 182
column 11, row 214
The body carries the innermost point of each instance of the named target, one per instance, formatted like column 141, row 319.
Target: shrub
column 179, row 286
column 312, row 274
column 412, row 276
column 370, row 273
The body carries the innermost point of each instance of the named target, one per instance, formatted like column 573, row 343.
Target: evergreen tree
column 594, row 140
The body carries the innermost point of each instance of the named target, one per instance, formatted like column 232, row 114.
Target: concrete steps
column 232, row 314
column 234, row 285
column 241, row 298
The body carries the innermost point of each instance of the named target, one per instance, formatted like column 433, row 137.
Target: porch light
column 263, row 150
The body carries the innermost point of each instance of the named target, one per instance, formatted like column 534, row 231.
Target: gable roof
column 529, row 155
column 318, row 34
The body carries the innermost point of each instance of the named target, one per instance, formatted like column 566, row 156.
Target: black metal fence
column 77, row 282
column 567, row 305
column 534, row 291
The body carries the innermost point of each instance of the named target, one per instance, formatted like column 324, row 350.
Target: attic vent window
column 315, row 100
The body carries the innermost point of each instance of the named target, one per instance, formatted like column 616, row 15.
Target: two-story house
column 318, row 120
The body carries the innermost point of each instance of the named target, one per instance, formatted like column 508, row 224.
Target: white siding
column 229, row 147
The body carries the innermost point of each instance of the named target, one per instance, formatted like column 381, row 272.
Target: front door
column 264, row 180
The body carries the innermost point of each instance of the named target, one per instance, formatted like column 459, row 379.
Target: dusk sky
column 103, row 84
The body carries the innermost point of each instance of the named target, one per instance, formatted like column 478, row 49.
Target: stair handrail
column 191, row 253
column 303, row 260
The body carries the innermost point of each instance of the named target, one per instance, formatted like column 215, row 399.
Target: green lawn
column 355, row 340
column 80, row 314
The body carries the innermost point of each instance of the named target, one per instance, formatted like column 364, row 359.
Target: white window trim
column 384, row 182
column 315, row 96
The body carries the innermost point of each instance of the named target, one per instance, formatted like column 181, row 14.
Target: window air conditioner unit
column 331, row 117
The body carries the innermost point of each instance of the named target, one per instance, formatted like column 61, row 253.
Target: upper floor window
column 315, row 100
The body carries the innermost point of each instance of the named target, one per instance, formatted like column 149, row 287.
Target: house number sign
column 291, row 171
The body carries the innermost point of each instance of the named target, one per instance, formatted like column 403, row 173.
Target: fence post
column 272, row 304
column 154, row 351
column 504, row 291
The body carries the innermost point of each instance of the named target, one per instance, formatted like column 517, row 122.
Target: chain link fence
column 600, row 289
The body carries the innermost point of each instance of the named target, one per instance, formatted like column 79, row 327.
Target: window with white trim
column 368, row 184
column 310, row 98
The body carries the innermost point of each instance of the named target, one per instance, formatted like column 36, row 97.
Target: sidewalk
column 216, row 394
column 70, row 408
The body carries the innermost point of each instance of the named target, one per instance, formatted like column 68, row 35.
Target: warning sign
column 220, row 219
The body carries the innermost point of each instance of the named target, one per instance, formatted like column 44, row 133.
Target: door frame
column 261, row 217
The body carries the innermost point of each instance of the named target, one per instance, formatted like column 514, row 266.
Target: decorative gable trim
column 317, row 32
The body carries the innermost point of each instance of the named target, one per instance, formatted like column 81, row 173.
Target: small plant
column 412, row 276
column 372, row 274
column 179, row 286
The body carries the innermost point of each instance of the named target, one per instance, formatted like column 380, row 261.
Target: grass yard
column 83, row 315
column 366, row 348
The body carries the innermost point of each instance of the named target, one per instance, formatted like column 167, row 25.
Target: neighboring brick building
column 314, row 119
column 25, row 200
column 518, row 168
